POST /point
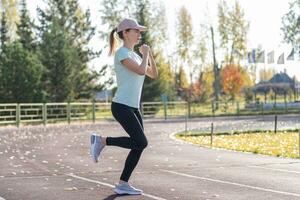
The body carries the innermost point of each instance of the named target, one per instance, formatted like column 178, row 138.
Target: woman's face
column 133, row 36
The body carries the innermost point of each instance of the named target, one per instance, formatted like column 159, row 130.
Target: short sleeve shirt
column 129, row 83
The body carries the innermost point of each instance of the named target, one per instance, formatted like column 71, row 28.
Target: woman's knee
column 142, row 144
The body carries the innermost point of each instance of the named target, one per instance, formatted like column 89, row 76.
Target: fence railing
column 44, row 113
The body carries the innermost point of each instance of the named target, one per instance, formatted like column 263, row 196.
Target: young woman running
column 130, row 71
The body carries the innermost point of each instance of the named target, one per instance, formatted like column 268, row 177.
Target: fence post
column 94, row 111
column 165, row 107
column 44, row 111
column 213, row 108
column 238, row 108
column 18, row 113
column 262, row 108
column 211, row 134
column 186, row 119
column 275, row 124
column 189, row 109
column 69, row 112
column 285, row 104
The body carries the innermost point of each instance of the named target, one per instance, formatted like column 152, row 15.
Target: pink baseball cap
column 128, row 23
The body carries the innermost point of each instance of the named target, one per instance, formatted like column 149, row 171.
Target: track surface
column 53, row 162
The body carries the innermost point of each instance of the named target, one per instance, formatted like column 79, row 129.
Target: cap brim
column 141, row 28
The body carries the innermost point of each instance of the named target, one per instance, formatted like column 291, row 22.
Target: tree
column 185, row 41
column 182, row 84
column 247, row 81
column 4, row 39
column 291, row 24
column 65, row 32
column 24, row 29
column 111, row 14
column 157, row 29
column 20, row 75
column 165, row 79
column 201, row 50
column 56, row 56
column 10, row 8
column 4, row 36
column 185, row 34
column 231, row 79
column 155, row 36
column 207, row 81
column 233, row 31
column 151, row 90
column 82, row 32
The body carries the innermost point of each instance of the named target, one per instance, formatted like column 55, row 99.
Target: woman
column 130, row 72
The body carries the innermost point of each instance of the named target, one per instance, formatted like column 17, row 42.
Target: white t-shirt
column 129, row 83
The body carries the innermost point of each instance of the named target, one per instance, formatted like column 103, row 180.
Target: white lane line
column 233, row 183
column 274, row 169
column 111, row 186
column 1, row 198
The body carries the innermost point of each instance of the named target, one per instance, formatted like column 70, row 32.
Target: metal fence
column 44, row 113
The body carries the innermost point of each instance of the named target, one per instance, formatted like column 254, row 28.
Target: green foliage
column 111, row 15
column 233, row 30
column 65, row 33
column 155, row 37
column 291, row 24
column 208, row 79
column 20, row 75
column 249, row 95
column 56, row 56
column 164, row 84
column 166, row 79
column 4, row 36
column 185, row 34
column 182, row 84
column 10, row 10
column 24, row 30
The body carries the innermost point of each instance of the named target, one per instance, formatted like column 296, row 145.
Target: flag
column 251, row 56
column 291, row 56
column 270, row 57
column 261, row 57
column 281, row 59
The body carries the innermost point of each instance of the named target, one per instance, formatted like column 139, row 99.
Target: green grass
column 281, row 144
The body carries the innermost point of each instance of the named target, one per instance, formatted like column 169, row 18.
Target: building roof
column 281, row 78
column 280, row 82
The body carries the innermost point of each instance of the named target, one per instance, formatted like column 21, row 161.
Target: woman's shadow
column 113, row 196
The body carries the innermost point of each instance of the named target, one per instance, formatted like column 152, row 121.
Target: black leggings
column 131, row 120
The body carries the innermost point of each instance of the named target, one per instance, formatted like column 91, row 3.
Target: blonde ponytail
column 112, row 42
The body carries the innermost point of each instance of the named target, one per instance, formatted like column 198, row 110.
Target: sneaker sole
column 118, row 191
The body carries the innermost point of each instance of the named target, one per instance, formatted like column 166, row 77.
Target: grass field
column 282, row 144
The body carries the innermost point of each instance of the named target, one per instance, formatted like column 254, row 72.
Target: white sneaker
column 125, row 188
column 96, row 147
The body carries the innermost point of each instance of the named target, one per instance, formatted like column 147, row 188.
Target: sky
column 264, row 17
